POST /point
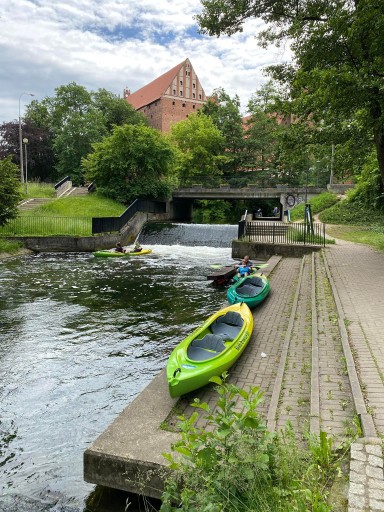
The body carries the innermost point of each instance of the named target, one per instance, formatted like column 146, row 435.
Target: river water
column 80, row 337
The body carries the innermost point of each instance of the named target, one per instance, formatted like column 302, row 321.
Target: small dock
column 222, row 275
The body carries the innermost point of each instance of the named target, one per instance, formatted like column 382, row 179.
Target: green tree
column 262, row 129
column 75, row 119
column 135, row 161
column 74, row 141
column 116, row 111
column 201, row 147
column 225, row 113
column 9, row 190
column 338, row 65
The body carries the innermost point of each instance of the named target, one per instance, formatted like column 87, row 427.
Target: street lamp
column 25, row 140
column 21, row 139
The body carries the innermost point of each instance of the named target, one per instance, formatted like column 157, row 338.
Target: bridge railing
column 260, row 179
column 300, row 233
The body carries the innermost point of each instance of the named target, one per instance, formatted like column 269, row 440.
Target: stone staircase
column 30, row 204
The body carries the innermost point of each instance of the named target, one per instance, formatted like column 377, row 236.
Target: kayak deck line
column 128, row 454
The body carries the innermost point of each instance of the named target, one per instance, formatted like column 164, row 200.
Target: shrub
column 234, row 463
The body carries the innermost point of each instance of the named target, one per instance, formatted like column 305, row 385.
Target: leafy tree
column 74, row 141
column 9, row 190
column 338, row 57
column 262, row 130
column 201, row 146
column 73, row 120
column 135, row 161
column 225, row 113
column 115, row 110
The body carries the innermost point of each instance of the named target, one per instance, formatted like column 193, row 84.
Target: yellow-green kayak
column 113, row 254
column 209, row 350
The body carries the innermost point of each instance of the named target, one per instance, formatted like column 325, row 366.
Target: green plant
column 235, row 464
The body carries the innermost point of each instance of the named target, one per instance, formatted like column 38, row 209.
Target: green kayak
column 115, row 254
column 209, row 350
column 252, row 290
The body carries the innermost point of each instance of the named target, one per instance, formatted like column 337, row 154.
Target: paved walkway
column 317, row 352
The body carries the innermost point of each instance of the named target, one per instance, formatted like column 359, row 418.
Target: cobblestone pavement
column 317, row 352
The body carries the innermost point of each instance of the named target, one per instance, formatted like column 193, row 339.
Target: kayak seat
column 256, row 281
column 228, row 326
column 205, row 348
column 247, row 290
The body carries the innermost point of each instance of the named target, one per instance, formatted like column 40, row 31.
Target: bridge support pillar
column 180, row 209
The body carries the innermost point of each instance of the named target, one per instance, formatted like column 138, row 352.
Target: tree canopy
column 61, row 130
column 201, row 146
column 9, row 190
column 225, row 114
column 133, row 161
column 337, row 70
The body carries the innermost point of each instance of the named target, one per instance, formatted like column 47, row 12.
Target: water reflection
column 80, row 337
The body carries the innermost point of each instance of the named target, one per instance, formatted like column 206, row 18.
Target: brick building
column 170, row 98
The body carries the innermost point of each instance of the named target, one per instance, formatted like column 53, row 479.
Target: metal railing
column 259, row 179
column 47, row 226
column 77, row 226
column 114, row 224
column 281, row 233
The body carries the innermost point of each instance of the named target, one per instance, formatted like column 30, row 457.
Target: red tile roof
column 154, row 90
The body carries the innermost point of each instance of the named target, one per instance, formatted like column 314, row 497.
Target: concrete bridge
column 288, row 197
column 181, row 205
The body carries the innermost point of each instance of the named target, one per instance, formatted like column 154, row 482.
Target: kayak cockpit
column 205, row 348
column 228, row 326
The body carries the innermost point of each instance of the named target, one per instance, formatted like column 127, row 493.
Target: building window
column 193, row 95
column 194, row 106
column 181, row 82
column 181, row 93
column 199, row 96
column 173, row 102
column 194, row 85
column 174, row 92
column 183, row 104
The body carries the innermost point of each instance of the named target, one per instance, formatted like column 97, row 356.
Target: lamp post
column 21, row 139
column 25, row 140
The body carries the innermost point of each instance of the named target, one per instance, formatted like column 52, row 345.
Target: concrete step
column 30, row 204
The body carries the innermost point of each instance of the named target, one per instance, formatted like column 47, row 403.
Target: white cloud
column 113, row 44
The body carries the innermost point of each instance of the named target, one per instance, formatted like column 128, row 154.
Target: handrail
column 61, row 182
column 113, row 224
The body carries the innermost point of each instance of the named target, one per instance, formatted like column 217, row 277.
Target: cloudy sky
column 114, row 44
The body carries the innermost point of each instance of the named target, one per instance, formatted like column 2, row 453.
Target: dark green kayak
column 251, row 289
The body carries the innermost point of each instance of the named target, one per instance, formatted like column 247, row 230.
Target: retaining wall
column 88, row 243
column 263, row 251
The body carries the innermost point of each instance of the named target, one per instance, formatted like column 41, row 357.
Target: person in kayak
column 244, row 269
column 118, row 247
column 137, row 247
column 247, row 262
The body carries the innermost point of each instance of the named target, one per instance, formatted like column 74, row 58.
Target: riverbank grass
column 9, row 247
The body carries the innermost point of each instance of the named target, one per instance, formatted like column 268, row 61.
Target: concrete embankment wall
column 264, row 251
column 88, row 243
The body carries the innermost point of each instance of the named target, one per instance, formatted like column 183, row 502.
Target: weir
column 167, row 233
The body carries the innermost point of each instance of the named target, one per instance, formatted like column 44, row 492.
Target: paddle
column 257, row 265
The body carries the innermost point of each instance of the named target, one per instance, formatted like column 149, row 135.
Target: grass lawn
column 91, row 205
column 65, row 216
column 360, row 234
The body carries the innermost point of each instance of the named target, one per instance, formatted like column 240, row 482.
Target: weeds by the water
column 235, row 464
column 9, row 247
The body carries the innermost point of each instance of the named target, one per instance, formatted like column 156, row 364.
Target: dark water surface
column 80, row 337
